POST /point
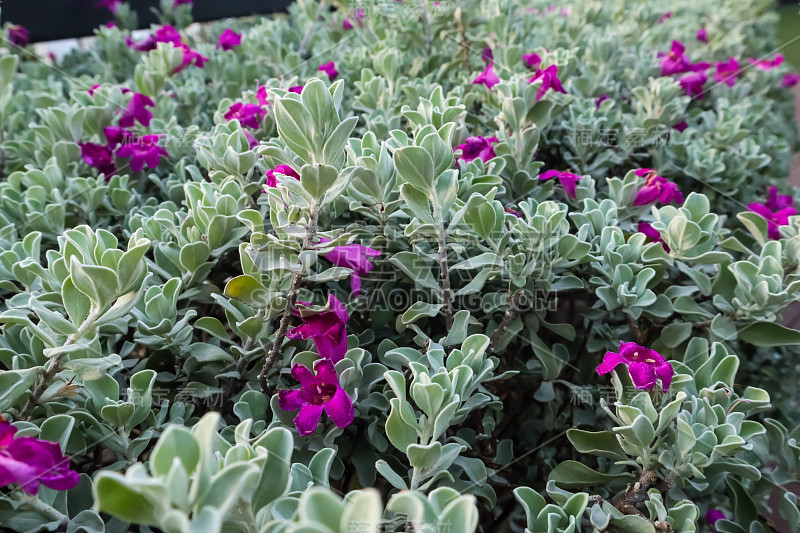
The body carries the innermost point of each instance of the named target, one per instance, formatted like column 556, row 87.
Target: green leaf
column 317, row 179
column 114, row 495
column 176, row 442
column 598, row 443
column 769, row 334
column 415, row 166
column 575, row 475
column 400, row 434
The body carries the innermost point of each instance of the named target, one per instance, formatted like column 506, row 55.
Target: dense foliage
column 407, row 266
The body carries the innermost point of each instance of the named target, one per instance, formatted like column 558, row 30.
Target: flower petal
column 290, row 400
column 340, row 408
column 642, row 375
column 307, row 419
column 610, row 362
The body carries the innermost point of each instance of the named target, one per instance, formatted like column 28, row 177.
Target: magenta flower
column 145, row 45
column 286, row 170
column 94, row 87
column 327, row 328
column 600, row 99
column 189, row 57
column 229, row 39
column 137, row 111
column 299, row 88
column 712, row 515
column 680, row 126
column 774, row 217
column 652, row 234
column 702, row 35
column 248, row 114
column 656, row 189
column 177, row 3
column 790, row 79
column 726, row 72
column 117, row 136
column 111, row 5
column 329, row 69
column 347, row 25
column 144, row 150
column 692, row 83
column 251, row 141
column 568, row 181
column 359, row 16
column 30, row 461
column 477, row 148
column 644, row 365
column 317, row 393
column 487, row 77
column 168, row 34
column 676, row 61
column 533, row 61
column 767, row 64
column 777, row 201
column 18, row 35
column 98, row 156
column 353, row 256
column 513, row 212
column 549, row 77
column 664, row 17
column 261, row 96
column 486, row 55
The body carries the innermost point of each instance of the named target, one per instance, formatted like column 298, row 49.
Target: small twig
column 53, row 368
column 641, row 338
column 637, row 493
column 510, row 315
column 291, row 301
column 465, row 46
column 444, row 272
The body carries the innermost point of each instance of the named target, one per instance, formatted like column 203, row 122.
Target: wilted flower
column 568, row 180
column 656, row 189
column 30, row 461
column 330, row 69
column 692, row 83
column 477, row 148
column 600, row 99
column 645, row 366
column 145, row 150
column 327, row 328
column 702, row 35
column 533, row 60
column 317, row 393
column 353, row 256
column 248, row 114
column 767, row 64
column 228, row 39
column 98, row 156
column 549, row 77
column 513, row 212
column 790, row 79
column 726, row 72
column 676, row 61
column 286, row 170
column 137, row 111
column 652, row 234
column 487, row 77
column 18, row 35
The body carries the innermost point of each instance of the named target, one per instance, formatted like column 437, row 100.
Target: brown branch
column 53, row 368
column 510, row 315
column 637, row 493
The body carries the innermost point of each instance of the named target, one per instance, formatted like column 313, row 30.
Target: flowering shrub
column 530, row 262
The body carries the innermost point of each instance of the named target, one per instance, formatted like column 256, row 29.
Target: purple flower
column 487, row 77
column 137, row 111
column 680, row 126
column 777, row 201
column 98, row 156
column 286, row 170
column 251, row 141
column 644, row 365
column 712, row 515
column 477, row 148
column 790, row 79
column 549, row 77
column 702, row 35
column 775, row 217
column 676, row 61
column 656, row 189
column 767, row 64
column 726, row 72
column 177, row 3
column 353, row 256
column 111, row 5
column 599, row 100
column 261, row 96
column 116, row 136
column 30, row 461
column 317, row 393
column 533, row 61
column 168, row 34
column 486, row 55
column 652, row 234
column 229, row 39
column 299, row 88
column 664, row 17
column 327, row 328
column 347, row 25
column 330, row 69
column 94, row 87
column 568, row 180
column 189, row 57
column 248, row 114
column 692, row 83
column 513, row 212
column 145, row 45
column 18, row 35
column 145, row 150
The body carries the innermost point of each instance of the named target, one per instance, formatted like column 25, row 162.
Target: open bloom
column 30, row 461
column 327, row 328
column 317, row 393
column 487, row 77
column 549, row 77
column 775, row 218
column 190, row 56
column 767, row 64
column 568, row 180
column 144, row 150
column 168, row 34
column 248, row 114
column 286, row 170
column 656, row 189
column 229, row 39
column 777, row 201
column 98, row 156
column 329, row 68
column 477, row 148
column 137, row 111
column 533, row 60
column 18, row 35
column 676, row 61
column 726, row 72
column 652, row 234
column 117, row 136
column 692, row 83
column 645, row 366
column 790, row 79
column 355, row 257
column 702, row 35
